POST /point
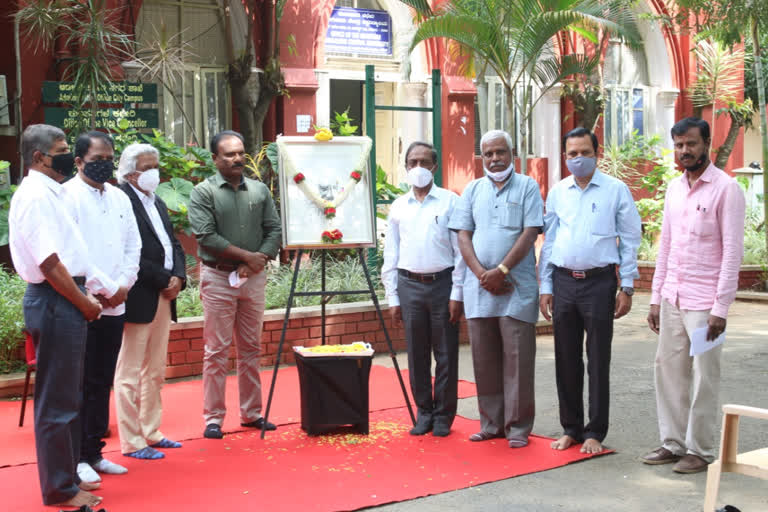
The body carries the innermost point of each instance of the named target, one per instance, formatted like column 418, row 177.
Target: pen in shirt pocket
column 435, row 219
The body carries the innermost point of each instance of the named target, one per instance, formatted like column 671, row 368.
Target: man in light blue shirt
column 498, row 219
column 591, row 228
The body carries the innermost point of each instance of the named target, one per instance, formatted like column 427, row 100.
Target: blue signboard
column 361, row 31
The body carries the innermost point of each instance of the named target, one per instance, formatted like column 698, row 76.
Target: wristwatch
column 628, row 290
column 503, row 268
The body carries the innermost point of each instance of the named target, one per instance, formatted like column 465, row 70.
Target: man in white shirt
column 106, row 221
column 149, row 309
column 50, row 255
column 423, row 274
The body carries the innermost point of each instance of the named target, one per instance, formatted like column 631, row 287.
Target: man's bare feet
column 80, row 499
column 591, row 446
column 563, row 443
column 89, row 486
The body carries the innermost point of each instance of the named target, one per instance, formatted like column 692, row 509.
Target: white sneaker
column 109, row 467
column 86, row 473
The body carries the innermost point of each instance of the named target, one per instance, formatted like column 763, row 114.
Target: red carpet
column 183, row 409
column 290, row 471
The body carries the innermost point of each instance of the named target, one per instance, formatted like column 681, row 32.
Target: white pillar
column 413, row 125
column 665, row 114
column 546, row 132
column 323, row 98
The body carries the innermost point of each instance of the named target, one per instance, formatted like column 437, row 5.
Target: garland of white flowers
column 300, row 181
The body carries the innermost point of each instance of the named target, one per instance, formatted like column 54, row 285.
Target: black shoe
column 213, row 431
column 441, row 430
column 421, row 427
column 259, row 423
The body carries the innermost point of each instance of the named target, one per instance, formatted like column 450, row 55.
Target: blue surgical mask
column 581, row 166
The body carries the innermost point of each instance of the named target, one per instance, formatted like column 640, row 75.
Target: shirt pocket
column 704, row 224
column 511, row 215
column 603, row 224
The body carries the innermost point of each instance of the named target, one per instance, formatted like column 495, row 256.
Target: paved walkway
column 619, row 482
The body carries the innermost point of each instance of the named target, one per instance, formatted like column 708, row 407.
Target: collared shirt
column 497, row 218
column 108, row 226
column 581, row 228
column 244, row 217
column 148, row 202
column 41, row 225
column 418, row 240
column 702, row 243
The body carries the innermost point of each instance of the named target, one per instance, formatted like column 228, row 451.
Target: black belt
column 425, row 278
column 226, row 267
column 583, row 274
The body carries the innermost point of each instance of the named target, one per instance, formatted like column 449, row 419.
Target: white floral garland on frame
column 292, row 172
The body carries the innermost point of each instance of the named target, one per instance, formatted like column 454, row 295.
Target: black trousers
column 425, row 313
column 59, row 331
column 583, row 305
column 102, row 347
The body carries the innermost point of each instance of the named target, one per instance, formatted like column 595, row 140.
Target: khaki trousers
column 231, row 313
column 139, row 379
column 687, row 388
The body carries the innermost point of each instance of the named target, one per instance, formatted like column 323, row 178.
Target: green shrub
column 12, row 289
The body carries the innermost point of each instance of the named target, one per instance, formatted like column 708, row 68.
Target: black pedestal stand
column 326, row 295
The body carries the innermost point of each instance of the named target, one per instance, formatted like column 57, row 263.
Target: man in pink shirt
column 697, row 273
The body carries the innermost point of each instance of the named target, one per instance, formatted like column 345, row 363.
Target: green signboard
column 115, row 92
column 107, row 118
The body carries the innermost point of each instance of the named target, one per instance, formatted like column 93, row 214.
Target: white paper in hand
column 699, row 343
column 236, row 281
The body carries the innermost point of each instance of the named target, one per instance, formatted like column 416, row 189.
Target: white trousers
column 687, row 388
column 139, row 379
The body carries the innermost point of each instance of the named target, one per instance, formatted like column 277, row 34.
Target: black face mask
column 99, row 170
column 63, row 163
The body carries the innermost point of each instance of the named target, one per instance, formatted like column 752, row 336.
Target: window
column 499, row 118
column 626, row 92
column 198, row 107
column 624, row 113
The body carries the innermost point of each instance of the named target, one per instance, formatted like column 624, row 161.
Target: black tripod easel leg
column 282, row 340
column 386, row 334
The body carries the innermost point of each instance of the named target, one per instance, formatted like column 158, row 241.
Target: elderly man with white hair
column 150, row 307
column 498, row 219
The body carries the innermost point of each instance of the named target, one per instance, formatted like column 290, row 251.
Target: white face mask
column 149, row 180
column 418, row 177
column 501, row 175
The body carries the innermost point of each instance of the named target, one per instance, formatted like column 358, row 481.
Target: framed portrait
column 325, row 192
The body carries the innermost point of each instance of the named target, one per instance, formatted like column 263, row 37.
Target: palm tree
column 517, row 39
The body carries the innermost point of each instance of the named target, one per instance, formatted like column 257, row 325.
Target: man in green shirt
column 238, row 232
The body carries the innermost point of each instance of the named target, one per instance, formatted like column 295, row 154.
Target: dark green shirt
column 221, row 216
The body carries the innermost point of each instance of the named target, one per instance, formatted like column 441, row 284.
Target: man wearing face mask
column 49, row 253
column 696, row 277
column 423, row 274
column 149, row 309
column 591, row 228
column 498, row 219
column 105, row 218
column 238, row 230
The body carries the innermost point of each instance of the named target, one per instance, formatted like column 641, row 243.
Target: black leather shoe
column 213, row 431
column 440, row 430
column 421, row 427
column 259, row 423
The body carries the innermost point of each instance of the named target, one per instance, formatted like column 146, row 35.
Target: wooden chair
column 31, row 356
column 754, row 463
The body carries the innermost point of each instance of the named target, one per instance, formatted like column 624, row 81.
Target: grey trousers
column 59, row 331
column 503, row 356
column 427, row 330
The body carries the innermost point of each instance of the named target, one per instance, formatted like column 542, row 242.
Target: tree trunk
column 724, row 151
column 763, row 120
column 245, row 96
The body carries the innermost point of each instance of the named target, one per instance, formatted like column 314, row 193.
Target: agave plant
column 518, row 40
